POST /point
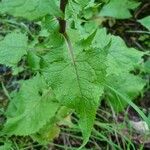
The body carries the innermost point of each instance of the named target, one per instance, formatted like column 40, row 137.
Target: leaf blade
column 22, row 116
column 12, row 48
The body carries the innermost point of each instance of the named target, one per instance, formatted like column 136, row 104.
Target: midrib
column 70, row 50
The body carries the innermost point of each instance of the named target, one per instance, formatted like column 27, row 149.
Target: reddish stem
column 62, row 22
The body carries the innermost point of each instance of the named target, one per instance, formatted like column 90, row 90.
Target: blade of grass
column 131, row 104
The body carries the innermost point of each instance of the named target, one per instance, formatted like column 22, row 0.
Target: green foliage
column 12, row 48
column 33, row 60
column 49, row 131
column 145, row 22
column 71, row 70
column 30, row 9
column 122, row 59
column 122, row 84
column 119, row 9
column 33, row 112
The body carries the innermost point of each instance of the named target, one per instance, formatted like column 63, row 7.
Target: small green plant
column 74, row 65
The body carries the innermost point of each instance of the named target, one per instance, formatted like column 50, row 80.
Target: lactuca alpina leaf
column 145, row 22
column 30, row 9
column 122, row 59
column 12, row 48
column 127, row 85
column 76, row 76
column 30, row 108
column 119, row 9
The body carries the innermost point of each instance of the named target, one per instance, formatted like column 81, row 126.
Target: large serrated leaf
column 12, row 48
column 76, row 77
column 30, row 108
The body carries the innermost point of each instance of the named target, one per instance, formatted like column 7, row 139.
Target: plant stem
column 62, row 22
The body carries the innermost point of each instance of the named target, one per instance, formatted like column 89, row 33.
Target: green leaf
column 145, row 22
column 12, row 48
column 31, row 108
column 119, row 9
column 76, row 76
column 127, row 85
column 122, row 59
column 33, row 60
column 30, row 9
column 6, row 146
